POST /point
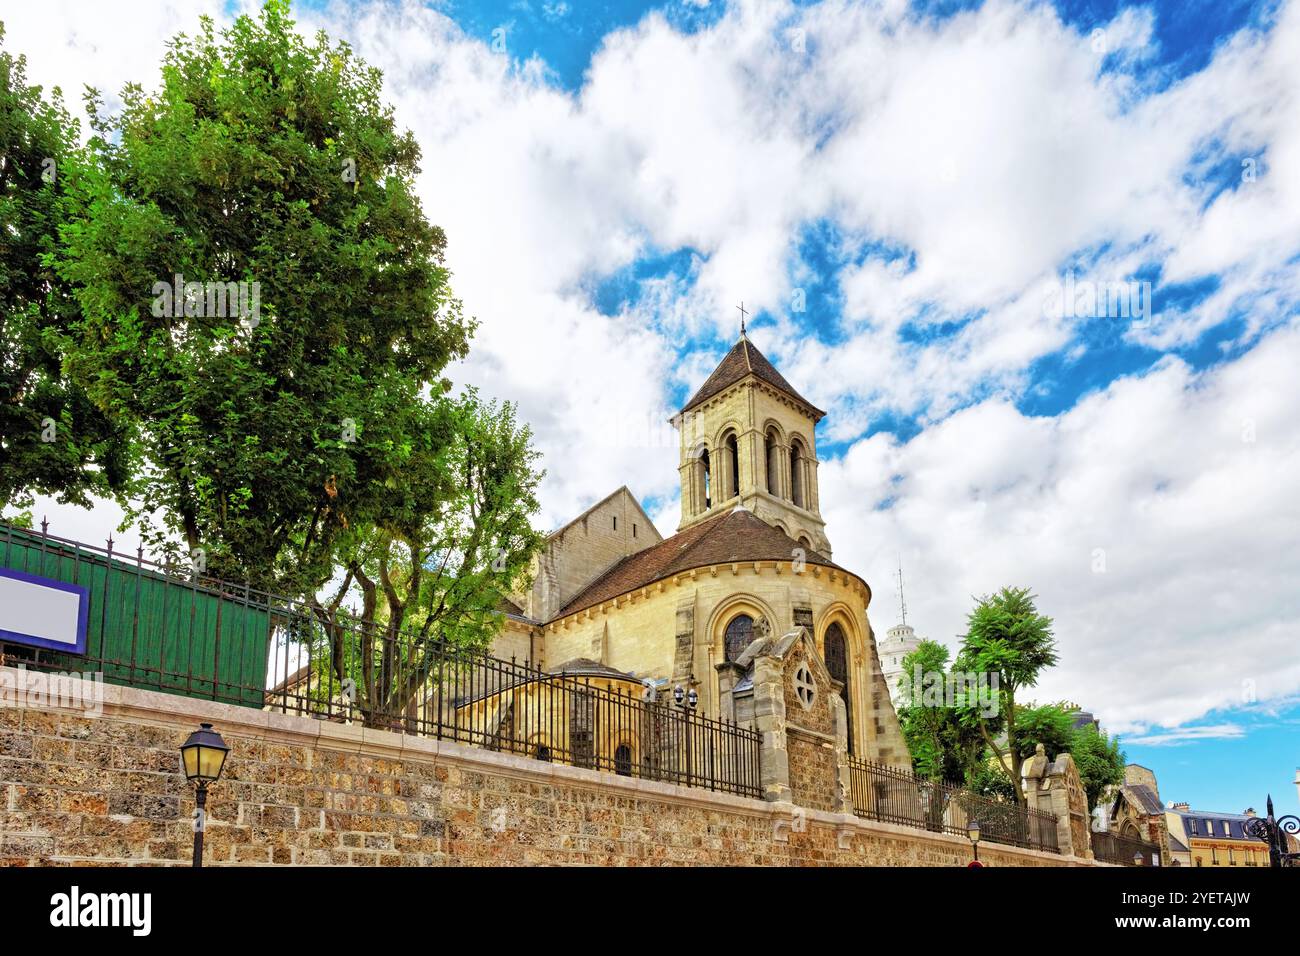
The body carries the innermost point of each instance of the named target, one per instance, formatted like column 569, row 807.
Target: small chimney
column 1250, row 812
column 1185, row 807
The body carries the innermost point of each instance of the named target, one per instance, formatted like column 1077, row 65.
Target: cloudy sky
column 898, row 193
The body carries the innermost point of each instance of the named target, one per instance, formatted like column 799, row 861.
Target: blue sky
column 896, row 192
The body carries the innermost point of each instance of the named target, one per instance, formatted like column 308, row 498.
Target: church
column 611, row 596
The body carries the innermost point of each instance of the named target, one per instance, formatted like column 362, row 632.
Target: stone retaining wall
column 77, row 789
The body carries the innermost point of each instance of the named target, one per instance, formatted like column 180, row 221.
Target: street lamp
column 693, row 699
column 1273, row 830
column 1138, row 858
column 203, row 756
column 973, row 831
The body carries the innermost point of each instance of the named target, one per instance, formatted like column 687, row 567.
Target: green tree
column 270, row 427
column 1099, row 760
column 944, row 739
column 1007, row 636
column 53, row 440
column 1049, row 724
column 454, row 533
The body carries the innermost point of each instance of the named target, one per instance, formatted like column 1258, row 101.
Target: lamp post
column 693, row 699
column 973, row 831
column 1138, row 858
column 1273, row 831
column 203, row 756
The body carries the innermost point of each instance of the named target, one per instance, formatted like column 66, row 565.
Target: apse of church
column 750, row 559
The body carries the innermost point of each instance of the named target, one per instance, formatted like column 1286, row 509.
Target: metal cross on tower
column 743, row 313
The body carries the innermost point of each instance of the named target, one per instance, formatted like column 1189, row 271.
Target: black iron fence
column 154, row 626
column 1125, row 851
column 894, row 795
column 599, row 719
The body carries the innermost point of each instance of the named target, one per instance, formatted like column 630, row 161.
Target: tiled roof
column 1210, row 824
column 507, row 606
column 742, row 360
column 1144, row 798
column 736, row 535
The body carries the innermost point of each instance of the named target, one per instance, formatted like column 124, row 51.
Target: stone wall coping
column 157, row 707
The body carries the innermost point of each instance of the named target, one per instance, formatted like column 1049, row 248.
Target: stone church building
column 750, row 561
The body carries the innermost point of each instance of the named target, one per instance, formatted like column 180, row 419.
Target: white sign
column 43, row 612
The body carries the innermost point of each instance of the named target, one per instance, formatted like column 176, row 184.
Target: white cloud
column 1179, row 485
column 1189, row 735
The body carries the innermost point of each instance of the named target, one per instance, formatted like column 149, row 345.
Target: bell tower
column 747, row 438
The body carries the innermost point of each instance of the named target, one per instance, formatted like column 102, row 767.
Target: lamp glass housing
column 203, row 755
column 973, row 831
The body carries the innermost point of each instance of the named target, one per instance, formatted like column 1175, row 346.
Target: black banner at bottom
column 139, row 906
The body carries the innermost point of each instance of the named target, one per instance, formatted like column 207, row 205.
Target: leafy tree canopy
column 453, row 536
column 1007, row 636
column 269, row 413
column 53, row 440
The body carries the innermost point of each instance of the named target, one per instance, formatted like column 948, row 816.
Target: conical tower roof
column 743, row 360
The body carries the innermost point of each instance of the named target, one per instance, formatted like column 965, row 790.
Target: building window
column 708, row 480
column 770, row 455
column 796, row 474
column 733, row 464
column 623, row 760
column 634, row 531
column 836, row 655
column 740, row 633
column 615, row 523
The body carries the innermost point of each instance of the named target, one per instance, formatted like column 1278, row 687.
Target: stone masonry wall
column 107, row 790
column 812, row 771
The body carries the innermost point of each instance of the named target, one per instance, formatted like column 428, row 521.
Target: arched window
column 836, row 655
column 740, row 633
column 708, row 479
column 796, row 473
column 623, row 760
column 733, row 462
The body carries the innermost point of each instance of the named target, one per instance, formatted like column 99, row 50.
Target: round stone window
column 804, row 687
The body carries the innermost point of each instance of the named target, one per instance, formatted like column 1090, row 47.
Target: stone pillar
column 1054, row 787
column 687, row 471
column 729, row 674
column 751, row 457
column 776, row 471
column 769, row 721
